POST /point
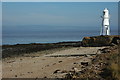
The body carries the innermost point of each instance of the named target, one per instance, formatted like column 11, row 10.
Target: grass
column 114, row 66
column 115, row 69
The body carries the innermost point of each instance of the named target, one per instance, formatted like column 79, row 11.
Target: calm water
column 47, row 36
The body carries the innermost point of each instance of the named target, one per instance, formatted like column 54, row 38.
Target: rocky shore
column 104, row 66
column 93, row 58
column 19, row 49
column 95, row 41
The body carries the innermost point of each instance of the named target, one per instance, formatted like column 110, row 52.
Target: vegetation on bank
column 114, row 67
column 104, row 66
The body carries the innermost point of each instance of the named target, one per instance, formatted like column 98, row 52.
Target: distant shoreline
column 66, row 41
column 19, row 49
column 42, row 43
column 94, row 41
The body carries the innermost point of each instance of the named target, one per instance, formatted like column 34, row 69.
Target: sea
column 11, row 37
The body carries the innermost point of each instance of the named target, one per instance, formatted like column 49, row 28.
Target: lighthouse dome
column 105, row 10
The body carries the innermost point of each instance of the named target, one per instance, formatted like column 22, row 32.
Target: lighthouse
column 105, row 29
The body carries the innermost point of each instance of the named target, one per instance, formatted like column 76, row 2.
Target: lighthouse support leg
column 108, row 30
column 105, row 30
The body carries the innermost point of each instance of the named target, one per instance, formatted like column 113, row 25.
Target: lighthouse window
column 103, row 12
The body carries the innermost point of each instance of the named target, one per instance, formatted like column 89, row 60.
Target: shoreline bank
column 19, row 49
column 94, row 41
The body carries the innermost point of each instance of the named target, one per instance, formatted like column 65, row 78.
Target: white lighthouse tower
column 105, row 30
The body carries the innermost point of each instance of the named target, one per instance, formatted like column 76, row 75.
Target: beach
column 59, row 41
column 94, row 58
column 39, row 65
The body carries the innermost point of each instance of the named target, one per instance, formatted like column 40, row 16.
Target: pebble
column 15, row 75
column 56, row 71
column 47, row 65
column 29, row 72
column 45, row 77
column 75, row 63
column 84, row 63
column 60, row 61
column 54, row 63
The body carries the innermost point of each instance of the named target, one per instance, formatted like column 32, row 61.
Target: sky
column 0, row 23
column 59, row 0
column 56, row 15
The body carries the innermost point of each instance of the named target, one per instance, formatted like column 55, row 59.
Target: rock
column 94, row 59
column 15, row 75
column 28, row 72
column 43, row 59
column 10, row 61
column 45, row 77
column 82, row 66
column 85, row 55
column 56, row 71
column 75, row 63
column 101, row 40
column 77, row 49
column 85, row 63
column 59, row 61
column 54, row 63
column 76, row 70
column 36, row 78
column 69, row 76
column 82, row 71
column 47, row 65
column 105, row 50
column 64, row 71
